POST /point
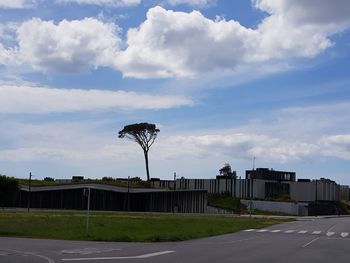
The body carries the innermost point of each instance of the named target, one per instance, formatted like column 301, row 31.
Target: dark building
column 267, row 174
column 112, row 198
column 277, row 185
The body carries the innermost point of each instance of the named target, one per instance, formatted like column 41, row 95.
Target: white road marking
column 237, row 241
column 316, row 232
column 331, row 228
column 49, row 260
column 312, row 241
column 302, row 232
column 289, row 231
column 249, row 230
column 115, row 258
column 330, row 234
column 262, row 230
column 344, row 234
column 87, row 251
column 275, row 231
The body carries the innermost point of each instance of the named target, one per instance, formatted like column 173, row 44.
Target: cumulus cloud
column 180, row 44
column 299, row 28
column 68, row 46
column 110, row 3
column 26, row 99
column 318, row 12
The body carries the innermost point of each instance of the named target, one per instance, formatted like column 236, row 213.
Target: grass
column 343, row 207
column 113, row 226
column 226, row 201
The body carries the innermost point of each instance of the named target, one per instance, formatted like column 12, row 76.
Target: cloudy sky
column 225, row 81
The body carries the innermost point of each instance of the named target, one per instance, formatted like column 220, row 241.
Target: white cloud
column 336, row 145
column 197, row 3
column 17, row 4
column 290, row 136
column 7, row 55
column 235, row 145
column 180, row 44
column 68, row 46
column 41, row 144
column 110, row 3
column 50, row 141
column 318, row 12
column 25, row 99
column 299, row 28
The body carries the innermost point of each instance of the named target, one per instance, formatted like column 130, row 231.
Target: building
column 270, row 174
column 264, row 183
column 112, row 198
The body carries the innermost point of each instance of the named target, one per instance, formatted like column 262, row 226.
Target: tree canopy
column 8, row 189
column 144, row 134
column 226, row 170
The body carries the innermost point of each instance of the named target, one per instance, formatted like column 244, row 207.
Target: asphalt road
column 317, row 240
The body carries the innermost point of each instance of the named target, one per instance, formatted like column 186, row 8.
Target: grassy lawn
column 113, row 226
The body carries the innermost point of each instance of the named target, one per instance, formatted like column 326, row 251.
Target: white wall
column 278, row 207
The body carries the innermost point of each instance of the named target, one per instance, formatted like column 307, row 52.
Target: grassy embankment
column 112, row 226
column 226, row 201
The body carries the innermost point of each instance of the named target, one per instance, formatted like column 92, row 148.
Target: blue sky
column 225, row 81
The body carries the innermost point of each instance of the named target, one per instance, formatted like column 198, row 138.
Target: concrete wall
column 307, row 191
column 278, row 207
column 246, row 188
column 215, row 210
column 235, row 187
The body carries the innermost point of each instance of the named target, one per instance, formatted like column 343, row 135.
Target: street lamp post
column 87, row 192
column 174, row 192
column 29, row 190
column 128, row 197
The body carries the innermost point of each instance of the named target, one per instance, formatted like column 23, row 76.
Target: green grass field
column 113, row 226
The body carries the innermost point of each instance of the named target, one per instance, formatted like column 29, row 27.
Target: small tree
column 8, row 189
column 227, row 171
column 49, row 179
column 142, row 133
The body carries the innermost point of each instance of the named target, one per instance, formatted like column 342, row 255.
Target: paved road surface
column 319, row 240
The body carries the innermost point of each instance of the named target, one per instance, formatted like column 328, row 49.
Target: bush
column 8, row 190
column 49, row 179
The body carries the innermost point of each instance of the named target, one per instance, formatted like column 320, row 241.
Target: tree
column 142, row 133
column 227, row 171
column 8, row 189
column 49, row 179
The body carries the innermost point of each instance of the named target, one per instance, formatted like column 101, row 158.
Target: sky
column 224, row 81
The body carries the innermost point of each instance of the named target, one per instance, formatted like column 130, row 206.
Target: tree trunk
column 146, row 161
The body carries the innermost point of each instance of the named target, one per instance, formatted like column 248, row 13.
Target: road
column 314, row 240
